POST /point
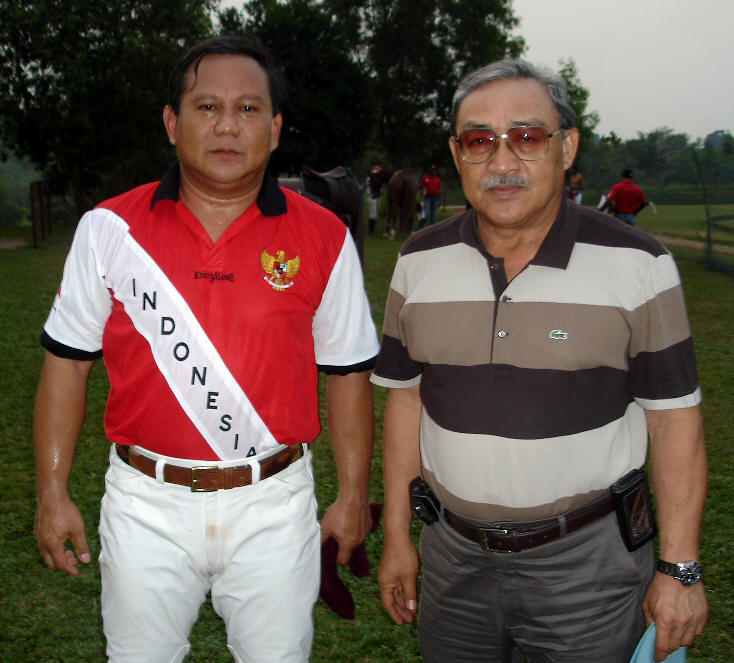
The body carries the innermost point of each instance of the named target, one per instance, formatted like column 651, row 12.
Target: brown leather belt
column 207, row 478
column 514, row 537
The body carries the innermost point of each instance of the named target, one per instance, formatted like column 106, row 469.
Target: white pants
column 256, row 548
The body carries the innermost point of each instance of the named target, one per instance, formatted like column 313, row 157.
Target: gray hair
column 509, row 68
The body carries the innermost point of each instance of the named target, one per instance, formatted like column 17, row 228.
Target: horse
column 402, row 189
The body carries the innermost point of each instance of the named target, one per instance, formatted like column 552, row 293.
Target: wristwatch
column 688, row 573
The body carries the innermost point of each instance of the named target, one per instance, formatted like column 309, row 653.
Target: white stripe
column 184, row 354
column 488, row 469
column 689, row 400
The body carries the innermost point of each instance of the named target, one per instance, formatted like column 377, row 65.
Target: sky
column 646, row 63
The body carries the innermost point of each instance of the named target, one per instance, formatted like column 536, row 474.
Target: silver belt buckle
column 484, row 538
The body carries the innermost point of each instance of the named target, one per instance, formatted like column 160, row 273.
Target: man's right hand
column 397, row 579
column 57, row 521
column 57, row 420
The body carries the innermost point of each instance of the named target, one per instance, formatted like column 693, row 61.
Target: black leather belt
column 207, row 478
column 515, row 537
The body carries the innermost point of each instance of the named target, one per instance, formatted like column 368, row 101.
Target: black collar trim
column 167, row 188
column 270, row 199
column 555, row 250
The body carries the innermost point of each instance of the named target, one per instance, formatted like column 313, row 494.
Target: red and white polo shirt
column 212, row 348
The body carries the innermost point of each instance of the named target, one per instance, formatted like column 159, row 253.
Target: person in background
column 576, row 185
column 431, row 189
column 215, row 297
column 626, row 199
column 373, row 187
column 524, row 380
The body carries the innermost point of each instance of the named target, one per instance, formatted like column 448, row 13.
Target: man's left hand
column 679, row 613
column 348, row 522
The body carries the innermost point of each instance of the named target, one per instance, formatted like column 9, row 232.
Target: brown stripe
column 651, row 376
column 522, row 403
column 393, row 362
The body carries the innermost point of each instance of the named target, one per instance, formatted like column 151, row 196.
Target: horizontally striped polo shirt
column 534, row 391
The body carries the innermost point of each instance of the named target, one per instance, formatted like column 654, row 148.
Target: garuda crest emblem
column 279, row 272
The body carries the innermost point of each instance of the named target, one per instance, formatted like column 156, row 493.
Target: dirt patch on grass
column 12, row 243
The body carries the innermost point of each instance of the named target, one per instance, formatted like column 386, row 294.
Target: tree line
column 83, row 83
column 675, row 167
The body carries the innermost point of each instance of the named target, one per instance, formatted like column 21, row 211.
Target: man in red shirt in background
column 626, row 198
column 431, row 187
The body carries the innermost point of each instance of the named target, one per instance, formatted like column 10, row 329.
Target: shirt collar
column 555, row 250
column 270, row 199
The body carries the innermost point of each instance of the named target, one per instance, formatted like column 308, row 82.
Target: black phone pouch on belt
column 423, row 503
column 631, row 498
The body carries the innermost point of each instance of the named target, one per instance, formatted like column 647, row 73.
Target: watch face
column 689, row 573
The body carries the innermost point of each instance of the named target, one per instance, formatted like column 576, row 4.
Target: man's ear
column 170, row 120
column 570, row 147
column 275, row 127
column 455, row 154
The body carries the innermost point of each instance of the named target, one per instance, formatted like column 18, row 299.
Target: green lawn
column 687, row 221
column 48, row 617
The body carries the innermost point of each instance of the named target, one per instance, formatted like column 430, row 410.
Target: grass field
column 686, row 221
column 48, row 617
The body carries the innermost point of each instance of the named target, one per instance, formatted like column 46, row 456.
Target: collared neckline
column 270, row 199
column 555, row 249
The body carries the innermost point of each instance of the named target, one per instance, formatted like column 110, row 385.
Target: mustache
column 503, row 180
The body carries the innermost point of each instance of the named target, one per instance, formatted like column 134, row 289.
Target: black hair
column 226, row 45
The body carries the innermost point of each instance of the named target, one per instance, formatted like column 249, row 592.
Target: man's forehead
column 210, row 66
column 524, row 99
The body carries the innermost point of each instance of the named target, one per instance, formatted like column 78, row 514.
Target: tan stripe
column 497, row 512
column 453, row 333
column 564, row 337
column 534, row 335
column 660, row 323
column 394, row 304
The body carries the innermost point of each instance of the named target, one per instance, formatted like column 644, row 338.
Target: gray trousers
column 576, row 599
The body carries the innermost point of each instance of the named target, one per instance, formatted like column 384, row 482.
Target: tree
column 653, row 155
column 83, row 83
column 329, row 108
column 416, row 51
column 578, row 96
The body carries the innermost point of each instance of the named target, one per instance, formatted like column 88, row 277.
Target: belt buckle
column 484, row 539
column 195, row 480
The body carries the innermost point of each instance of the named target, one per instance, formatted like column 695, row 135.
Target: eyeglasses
column 526, row 143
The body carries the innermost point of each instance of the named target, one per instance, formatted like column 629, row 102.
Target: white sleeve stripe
column 343, row 331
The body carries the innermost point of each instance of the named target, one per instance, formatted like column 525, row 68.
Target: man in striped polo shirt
column 530, row 346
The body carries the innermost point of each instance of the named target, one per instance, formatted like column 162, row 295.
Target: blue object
column 646, row 648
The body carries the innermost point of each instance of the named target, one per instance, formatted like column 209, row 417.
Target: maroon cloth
column 333, row 591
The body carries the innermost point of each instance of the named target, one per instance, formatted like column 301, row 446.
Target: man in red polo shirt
column 626, row 198
column 431, row 188
column 215, row 297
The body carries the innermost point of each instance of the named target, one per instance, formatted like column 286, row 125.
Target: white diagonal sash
column 184, row 354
